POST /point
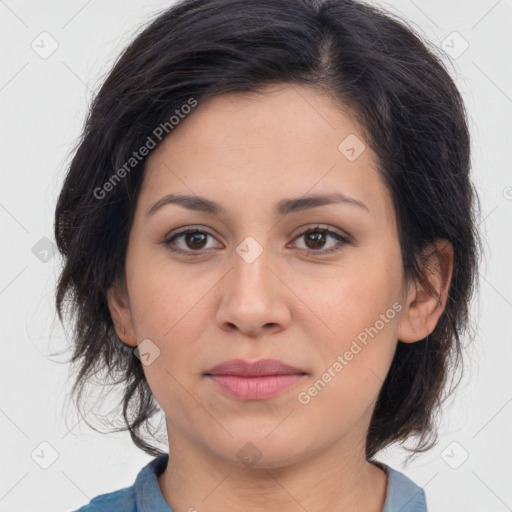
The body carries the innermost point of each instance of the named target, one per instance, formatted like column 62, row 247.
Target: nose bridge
column 251, row 276
column 251, row 293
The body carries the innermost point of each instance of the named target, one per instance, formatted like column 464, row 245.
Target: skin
column 291, row 303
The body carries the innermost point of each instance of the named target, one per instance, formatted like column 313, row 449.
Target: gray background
column 43, row 101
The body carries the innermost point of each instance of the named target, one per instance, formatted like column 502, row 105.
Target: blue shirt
column 403, row 495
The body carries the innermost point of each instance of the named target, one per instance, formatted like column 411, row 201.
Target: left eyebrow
column 283, row 207
column 304, row 203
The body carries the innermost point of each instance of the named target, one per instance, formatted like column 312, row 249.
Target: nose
column 254, row 298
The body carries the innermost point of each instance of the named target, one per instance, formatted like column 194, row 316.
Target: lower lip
column 255, row 388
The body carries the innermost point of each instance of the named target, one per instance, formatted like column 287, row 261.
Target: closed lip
column 261, row 368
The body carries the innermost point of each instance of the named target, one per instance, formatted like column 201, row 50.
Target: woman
column 268, row 231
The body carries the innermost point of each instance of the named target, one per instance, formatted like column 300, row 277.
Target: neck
column 337, row 478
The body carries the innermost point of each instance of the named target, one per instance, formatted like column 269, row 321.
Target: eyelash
column 316, row 229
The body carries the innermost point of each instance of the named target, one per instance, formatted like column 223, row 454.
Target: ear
column 422, row 309
column 118, row 304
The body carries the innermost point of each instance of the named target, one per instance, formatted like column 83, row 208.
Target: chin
column 261, row 450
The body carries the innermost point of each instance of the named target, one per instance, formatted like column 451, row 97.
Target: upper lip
column 259, row 368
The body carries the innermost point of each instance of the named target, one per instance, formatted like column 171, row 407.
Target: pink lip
column 254, row 381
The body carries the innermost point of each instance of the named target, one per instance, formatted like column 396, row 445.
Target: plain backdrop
column 52, row 461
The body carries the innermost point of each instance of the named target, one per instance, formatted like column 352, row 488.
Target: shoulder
column 143, row 496
column 121, row 500
column 402, row 493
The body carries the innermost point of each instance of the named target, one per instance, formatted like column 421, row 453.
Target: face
column 313, row 284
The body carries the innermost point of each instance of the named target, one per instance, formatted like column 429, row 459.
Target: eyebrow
column 283, row 207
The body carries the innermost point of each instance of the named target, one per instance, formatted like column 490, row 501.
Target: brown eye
column 195, row 240
column 316, row 238
column 188, row 241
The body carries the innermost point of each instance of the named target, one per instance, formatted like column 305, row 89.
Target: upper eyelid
column 301, row 230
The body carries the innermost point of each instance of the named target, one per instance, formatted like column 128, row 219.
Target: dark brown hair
column 395, row 86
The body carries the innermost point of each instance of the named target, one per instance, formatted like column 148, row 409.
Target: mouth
column 254, row 381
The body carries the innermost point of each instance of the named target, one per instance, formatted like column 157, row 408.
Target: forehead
column 287, row 142
column 286, row 115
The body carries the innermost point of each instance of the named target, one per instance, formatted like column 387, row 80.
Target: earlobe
column 426, row 301
column 117, row 298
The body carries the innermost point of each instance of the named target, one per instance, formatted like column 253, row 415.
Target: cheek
column 165, row 299
column 171, row 314
column 353, row 363
column 173, row 321
column 353, row 299
column 361, row 309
